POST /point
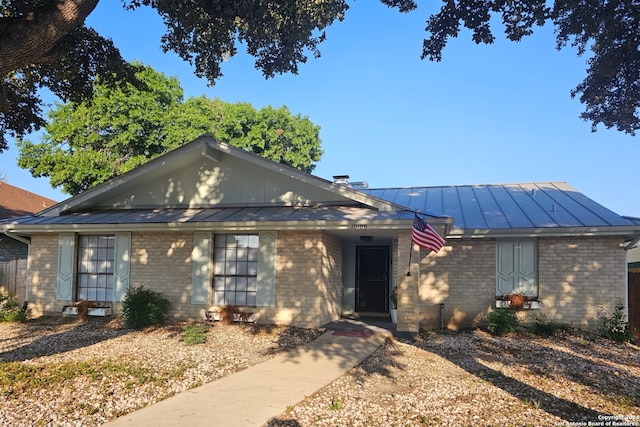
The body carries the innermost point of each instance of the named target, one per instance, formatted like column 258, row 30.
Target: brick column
column 408, row 298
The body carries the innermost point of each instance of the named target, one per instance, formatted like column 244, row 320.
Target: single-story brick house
column 209, row 225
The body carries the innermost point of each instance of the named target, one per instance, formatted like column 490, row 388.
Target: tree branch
column 26, row 39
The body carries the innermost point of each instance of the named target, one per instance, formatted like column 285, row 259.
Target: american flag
column 424, row 236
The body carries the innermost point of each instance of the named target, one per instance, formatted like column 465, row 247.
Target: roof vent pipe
column 341, row 179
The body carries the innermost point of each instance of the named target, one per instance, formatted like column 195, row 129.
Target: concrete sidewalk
column 255, row 395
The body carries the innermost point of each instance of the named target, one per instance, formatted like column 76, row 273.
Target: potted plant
column 393, row 310
column 517, row 301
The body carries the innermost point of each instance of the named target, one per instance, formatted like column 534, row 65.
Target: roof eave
column 388, row 224
column 622, row 231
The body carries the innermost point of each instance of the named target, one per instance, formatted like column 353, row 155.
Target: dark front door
column 372, row 278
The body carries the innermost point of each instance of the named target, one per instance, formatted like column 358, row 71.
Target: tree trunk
column 26, row 40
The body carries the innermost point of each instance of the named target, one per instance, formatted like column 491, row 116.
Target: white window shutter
column 266, row 293
column 64, row 286
column 517, row 267
column 201, row 266
column 527, row 267
column 122, row 264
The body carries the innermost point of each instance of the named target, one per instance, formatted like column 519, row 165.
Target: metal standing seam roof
column 215, row 215
column 506, row 206
column 503, row 207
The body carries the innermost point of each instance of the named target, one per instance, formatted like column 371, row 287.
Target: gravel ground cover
column 60, row 372
column 475, row 379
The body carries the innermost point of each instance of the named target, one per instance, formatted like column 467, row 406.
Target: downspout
column 28, row 243
column 18, row 238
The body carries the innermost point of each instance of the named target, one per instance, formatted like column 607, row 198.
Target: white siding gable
column 230, row 181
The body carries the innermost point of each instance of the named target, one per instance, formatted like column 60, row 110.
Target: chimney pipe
column 341, row 179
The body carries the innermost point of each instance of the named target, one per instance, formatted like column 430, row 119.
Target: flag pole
column 410, row 252
column 415, row 212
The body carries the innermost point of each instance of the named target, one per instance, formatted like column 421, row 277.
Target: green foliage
column 89, row 142
column 614, row 326
column 542, row 325
column 611, row 90
column 271, row 132
column 336, row 404
column 280, row 35
column 195, row 333
column 143, row 307
column 502, row 321
column 10, row 309
column 17, row 378
column 85, row 144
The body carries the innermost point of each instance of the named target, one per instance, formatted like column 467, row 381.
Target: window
column 517, row 267
column 235, row 263
column 95, row 267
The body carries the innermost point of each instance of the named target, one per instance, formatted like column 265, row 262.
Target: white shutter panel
column 64, row 285
column 527, row 267
column 517, row 267
column 122, row 262
column 506, row 267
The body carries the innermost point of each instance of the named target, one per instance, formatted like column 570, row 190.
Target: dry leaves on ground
column 57, row 372
column 475, row 379
column 61, row 372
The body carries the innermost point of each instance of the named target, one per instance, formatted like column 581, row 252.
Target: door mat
column 357, row 333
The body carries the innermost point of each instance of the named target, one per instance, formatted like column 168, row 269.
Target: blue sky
column 484, row 115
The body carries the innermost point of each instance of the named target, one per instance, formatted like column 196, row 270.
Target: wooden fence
column 13, row 276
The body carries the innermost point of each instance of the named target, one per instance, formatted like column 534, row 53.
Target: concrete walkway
column 255, row 395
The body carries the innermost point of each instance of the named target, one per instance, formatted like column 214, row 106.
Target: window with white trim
column 96, row 253
column 517, row 267
column 235, row 264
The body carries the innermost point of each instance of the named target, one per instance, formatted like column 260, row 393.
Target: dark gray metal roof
column 506, row 206
column 215, row 215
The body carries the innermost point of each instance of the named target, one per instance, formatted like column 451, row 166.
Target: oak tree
column 44, row 43
column 117, row 129
column 609, row 29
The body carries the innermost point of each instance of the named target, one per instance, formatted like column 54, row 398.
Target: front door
column 372, row 278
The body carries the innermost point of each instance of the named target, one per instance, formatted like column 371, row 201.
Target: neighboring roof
column 542, row 205
column 16, row 202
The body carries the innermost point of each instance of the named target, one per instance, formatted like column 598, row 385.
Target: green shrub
column 614, row 326
column 336, row 404
column 542, row 325
column 143, row 307
column 195, row 333
column 502, row 321
column 10, row 309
